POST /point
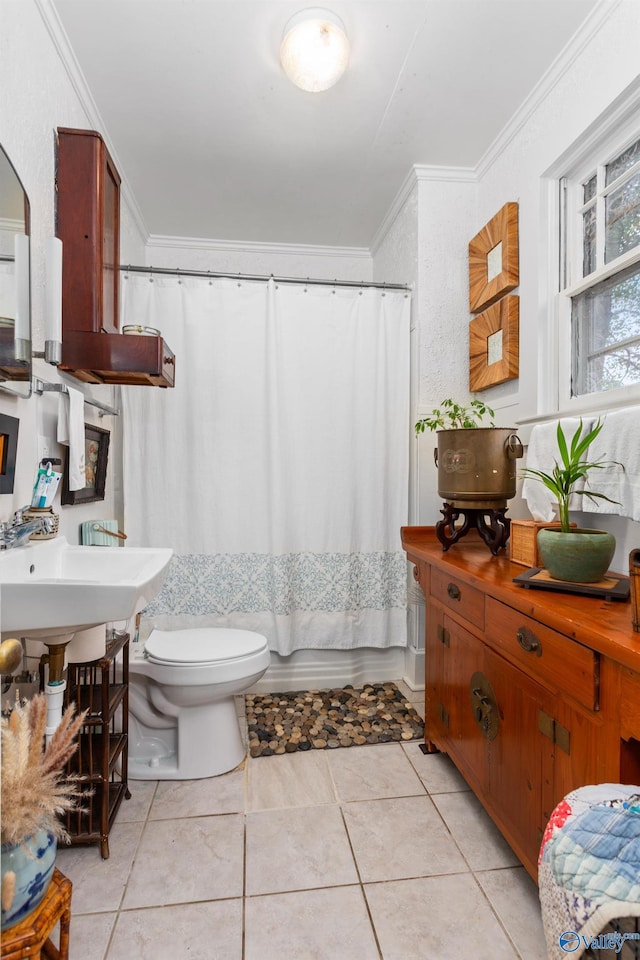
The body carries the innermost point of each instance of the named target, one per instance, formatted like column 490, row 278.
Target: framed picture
column 8, row 449
column 493, row 259
column 96, row 454
column 494, row 344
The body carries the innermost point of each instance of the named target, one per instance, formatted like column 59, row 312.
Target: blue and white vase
column 31, row 863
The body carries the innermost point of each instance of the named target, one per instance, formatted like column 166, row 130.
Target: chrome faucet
column 15, row 532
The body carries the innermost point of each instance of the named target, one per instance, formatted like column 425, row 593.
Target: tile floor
column 376, row 852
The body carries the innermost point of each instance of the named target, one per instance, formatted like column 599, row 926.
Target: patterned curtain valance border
column 225, row 583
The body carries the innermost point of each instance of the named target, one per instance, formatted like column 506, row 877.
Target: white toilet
column 183, row 723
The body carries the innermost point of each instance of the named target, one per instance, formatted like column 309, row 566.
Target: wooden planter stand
column 495, row 533
column 30, row 937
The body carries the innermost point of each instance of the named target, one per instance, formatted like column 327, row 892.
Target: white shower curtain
column 277, row 468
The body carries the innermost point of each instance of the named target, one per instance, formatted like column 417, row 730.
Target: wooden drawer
column 458, row 596
column 113, row 358
column 556, row 660
column 422, row 575
column 629, row 704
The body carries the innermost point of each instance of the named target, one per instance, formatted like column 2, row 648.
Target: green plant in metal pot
column 453, row 416
column 577, row 554
column 476, row 463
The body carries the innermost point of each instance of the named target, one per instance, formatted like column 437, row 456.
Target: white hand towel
column 71, row 432
column 542, row 454
column 619, row 441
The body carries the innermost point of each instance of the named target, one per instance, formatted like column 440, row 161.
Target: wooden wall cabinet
column 88, row 223
column 531, row 694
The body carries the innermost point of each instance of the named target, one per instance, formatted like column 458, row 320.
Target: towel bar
column 41, row 386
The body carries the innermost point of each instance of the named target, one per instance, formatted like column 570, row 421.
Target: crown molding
column 69, row 61
column 419, row 173
column 621, row 113
column 560, row 66
column 157, row 241
column 11, row 226
column 445, row 174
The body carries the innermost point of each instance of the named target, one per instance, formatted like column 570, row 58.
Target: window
column 600, row 296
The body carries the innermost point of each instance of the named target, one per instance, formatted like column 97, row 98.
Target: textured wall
column 396, row 260
column 446, row 208
column 597, row 73
column 426, row 242
column 38, row 96
column 598, row 70
column 325, row 263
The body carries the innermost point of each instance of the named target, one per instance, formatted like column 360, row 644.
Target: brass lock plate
column 484, row 705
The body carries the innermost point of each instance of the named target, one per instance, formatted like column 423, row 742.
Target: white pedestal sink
column 52, row 588
column 52, row 591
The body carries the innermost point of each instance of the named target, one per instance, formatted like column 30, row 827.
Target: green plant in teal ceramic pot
column 35, row 792
column 574, row 554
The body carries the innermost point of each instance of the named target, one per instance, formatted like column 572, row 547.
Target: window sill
column 593, row 405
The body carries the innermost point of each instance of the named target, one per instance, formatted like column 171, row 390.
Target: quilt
column 589, row 869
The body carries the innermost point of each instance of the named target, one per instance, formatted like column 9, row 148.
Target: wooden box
column 523, row 544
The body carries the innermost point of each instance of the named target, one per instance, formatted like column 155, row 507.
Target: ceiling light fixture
column 315, row 49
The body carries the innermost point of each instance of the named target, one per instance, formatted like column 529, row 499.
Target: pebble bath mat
column 325, row 719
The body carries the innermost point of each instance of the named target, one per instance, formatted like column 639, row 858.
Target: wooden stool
column 30, row 938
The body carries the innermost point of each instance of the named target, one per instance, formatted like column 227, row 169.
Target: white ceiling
column 216, row 143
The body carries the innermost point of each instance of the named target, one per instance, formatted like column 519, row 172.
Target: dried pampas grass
column 35, row 790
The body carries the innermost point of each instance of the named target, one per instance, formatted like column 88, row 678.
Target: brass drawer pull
column 453, row 591
column 528, row 641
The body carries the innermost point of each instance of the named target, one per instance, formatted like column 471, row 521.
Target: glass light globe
column 315, row 50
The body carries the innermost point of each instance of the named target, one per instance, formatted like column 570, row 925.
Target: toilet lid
column 202, row 644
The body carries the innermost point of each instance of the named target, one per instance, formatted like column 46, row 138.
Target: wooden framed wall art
column 96, row 454
column 494, row 345
column 8, row 451
column 493, row 259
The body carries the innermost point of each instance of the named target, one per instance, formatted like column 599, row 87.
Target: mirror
column 15, row 298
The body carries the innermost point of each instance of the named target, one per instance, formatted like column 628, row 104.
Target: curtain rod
column 177, row 272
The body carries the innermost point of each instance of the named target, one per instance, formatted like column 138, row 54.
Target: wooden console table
column 532, row 694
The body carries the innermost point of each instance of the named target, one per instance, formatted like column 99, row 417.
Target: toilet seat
column 202, row 646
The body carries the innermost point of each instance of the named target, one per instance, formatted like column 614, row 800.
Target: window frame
column 601, row 143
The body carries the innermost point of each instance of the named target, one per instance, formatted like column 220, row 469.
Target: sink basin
column 53, row 589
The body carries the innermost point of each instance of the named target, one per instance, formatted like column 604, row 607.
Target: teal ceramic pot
column 580, row 556
column 32, row 862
